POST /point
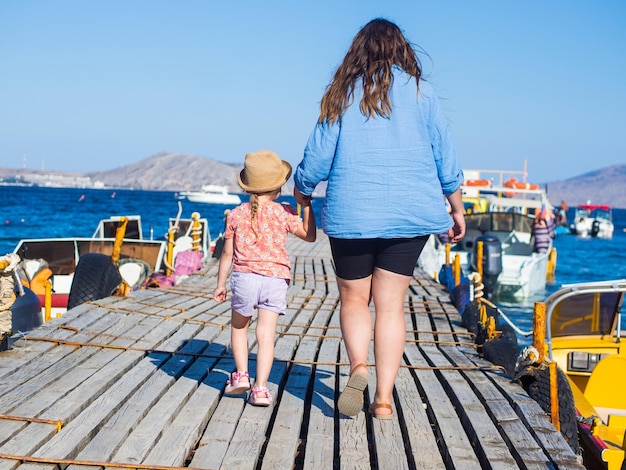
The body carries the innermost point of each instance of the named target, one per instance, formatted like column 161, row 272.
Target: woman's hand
column 301, row 199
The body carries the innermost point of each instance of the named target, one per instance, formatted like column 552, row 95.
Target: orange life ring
column 477, row 183
column 514, row 183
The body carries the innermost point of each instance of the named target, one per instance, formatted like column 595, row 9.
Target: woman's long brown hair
column 375, row 49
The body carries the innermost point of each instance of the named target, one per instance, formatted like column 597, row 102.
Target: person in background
column 255, row 246
column 544, row 229
column 385, row 147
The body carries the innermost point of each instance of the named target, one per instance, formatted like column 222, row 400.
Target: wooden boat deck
column 137, row 382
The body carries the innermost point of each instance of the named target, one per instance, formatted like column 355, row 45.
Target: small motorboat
column 501, row 216
column 591, row 220
column 87, row 268
column 211, row 194
column 65, row 272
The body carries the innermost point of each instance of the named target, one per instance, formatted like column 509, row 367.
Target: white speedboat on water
column 591, row 220
column 211, row 194
column 501, row 216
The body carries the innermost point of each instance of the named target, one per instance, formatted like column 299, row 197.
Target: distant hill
column 604, row 186
column 169, row 171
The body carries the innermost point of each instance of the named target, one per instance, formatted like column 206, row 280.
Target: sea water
column 37, row 212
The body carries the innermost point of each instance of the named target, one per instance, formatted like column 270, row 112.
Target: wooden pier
column 138, row 382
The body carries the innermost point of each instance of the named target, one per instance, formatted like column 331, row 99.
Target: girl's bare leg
column 239, row 340
column 265, row 336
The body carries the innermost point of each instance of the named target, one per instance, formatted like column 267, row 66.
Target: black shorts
column 356, row 258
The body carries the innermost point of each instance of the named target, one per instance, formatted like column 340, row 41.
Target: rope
column 56, row 422
column 90, row 463
column 508, row 320
column 229, row 356
column 477, row 287
column 286, row 325
column 478, row 295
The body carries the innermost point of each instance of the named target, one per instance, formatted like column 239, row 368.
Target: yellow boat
column 583, row 338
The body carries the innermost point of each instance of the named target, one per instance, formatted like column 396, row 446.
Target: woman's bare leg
column 356, row 319
column 388, row 292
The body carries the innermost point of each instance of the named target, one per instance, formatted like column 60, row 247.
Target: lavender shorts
column 252, row 291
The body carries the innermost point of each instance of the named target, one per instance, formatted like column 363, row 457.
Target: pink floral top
column 267, row 253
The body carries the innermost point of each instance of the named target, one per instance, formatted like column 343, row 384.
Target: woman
column 386, row 150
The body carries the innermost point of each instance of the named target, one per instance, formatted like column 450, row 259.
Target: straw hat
column 263, row 171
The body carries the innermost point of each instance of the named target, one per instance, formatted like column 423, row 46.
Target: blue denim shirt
column 387, row 177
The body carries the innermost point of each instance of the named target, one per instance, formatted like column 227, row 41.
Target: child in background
column 256, row 248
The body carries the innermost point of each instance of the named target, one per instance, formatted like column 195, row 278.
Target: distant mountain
column 604, row 186
column 169, row 171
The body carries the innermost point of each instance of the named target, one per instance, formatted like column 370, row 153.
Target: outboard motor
column 491, row 262
column 595, row 228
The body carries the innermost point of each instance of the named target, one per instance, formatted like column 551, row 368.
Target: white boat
column 591, row 220
column 501, row 216
column 211, row 194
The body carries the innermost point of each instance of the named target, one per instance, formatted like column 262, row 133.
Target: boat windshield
column 499, row 222
column 593, row 212
column 587, row 314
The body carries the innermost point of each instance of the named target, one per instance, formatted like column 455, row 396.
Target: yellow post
column 479, row 260
column 196, row 231
column 491, row 324
column 119, row 239
column 554, row 396
column 551, row 266
column 170, row 252
column 47, row 300
column 447, row 255
column 456, row 270
column 539, row 330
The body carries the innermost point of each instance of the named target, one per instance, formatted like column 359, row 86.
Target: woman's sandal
column 351, row 399
column 375, row 406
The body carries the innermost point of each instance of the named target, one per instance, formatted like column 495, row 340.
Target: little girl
column 256, row 248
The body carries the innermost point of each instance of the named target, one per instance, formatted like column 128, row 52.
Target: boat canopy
column 586, row 309
column 593, row 207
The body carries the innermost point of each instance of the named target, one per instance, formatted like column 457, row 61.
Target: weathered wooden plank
column 122, row 406
column 145, row 436
column 109, row 437
column 388, row 439
column 353, row 440
column 216, row 438
column 87, row 406
column 320, row 436
column 456, row 448
column 285, row 437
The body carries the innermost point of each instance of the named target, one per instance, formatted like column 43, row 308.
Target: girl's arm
column 226, row 260
column 307, row 230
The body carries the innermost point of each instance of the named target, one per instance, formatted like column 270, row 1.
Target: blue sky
column 94, row 85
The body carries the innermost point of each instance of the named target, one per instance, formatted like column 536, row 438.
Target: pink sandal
column 260, row 396
column 239, row 383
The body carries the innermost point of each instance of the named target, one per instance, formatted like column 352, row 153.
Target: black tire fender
column 503, row 351
column 536, row 382
column 95, row 277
